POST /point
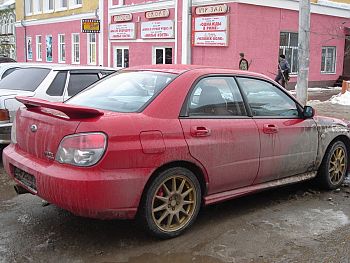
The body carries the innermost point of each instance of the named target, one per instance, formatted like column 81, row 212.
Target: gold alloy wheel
column 337, row 165
column 174, row 203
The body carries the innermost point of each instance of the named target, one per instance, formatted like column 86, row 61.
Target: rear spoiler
column 70, row 111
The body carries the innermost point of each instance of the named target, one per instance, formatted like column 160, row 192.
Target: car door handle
column 200, row 131
column 270, row 128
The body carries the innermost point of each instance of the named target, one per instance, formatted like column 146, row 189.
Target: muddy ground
column 297, row 223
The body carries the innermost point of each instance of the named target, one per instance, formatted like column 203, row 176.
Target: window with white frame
column 75, row 3
column 11, row 25
column 38, row 43
column 328, row 59
column 75, row 48
column 4, row 28
column 61, row 49
column 162, row 55
column 48, row 5
column 289, row 47
column 91, row 48
column 121, row 57
column 61, row 4
column 37, row 6
column 28, row 7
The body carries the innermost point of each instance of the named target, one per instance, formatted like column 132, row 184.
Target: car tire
column 334, row 166
column 171, row 203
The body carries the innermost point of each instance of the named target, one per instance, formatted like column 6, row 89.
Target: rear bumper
column 89, row 192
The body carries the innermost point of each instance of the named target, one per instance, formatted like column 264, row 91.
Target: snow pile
column 333, row 4
column 343, row 99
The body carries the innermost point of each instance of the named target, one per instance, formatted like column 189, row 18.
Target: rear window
column 32, row 76
column 124, row 92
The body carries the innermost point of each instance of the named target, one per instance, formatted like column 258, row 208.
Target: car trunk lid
column 42, row 125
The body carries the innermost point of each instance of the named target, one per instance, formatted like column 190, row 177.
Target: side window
column 265, row 99
column 57, row 86
column 79, row 81
column 8, row 72
column 216, row 96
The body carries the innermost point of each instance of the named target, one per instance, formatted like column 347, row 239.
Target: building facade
column 7, row 29
column 210, row 32
column 205, row 32
column 50, row 31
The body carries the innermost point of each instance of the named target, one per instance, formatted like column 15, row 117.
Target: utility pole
column 303, row 50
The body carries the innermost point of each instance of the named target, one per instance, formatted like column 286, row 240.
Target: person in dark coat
column 283, row 71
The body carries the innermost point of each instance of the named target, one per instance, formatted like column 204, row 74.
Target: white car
column 50, row 82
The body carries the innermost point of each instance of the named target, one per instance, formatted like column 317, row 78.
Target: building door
column 121, row 57
column 162, row 55
column 346, row 68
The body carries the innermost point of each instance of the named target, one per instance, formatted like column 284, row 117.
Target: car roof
column 202, row 69
column 53, row 66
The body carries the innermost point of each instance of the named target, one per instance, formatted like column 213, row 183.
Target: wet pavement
column 297, row 223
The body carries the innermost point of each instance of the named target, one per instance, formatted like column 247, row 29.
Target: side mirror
column 308, row 112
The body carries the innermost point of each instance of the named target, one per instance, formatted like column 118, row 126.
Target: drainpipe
column 186, row 31
column 25, row 31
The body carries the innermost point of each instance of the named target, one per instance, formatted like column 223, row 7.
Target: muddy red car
column 160, row 142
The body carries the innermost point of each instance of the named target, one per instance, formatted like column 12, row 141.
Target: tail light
column 4, row 115
column 84, row 149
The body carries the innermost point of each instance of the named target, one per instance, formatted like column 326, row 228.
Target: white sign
column 214, row 39
column 122, row 31
column 211, row 9
column 157, row 14
column 157, row 29
column 122, row 18
column 210, row 23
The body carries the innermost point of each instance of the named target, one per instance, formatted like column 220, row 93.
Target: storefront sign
column 213, row 39
column 122, row 31
column 211, row 9
column 157, row 14
column 121, row 18
column 157, row 29
column 90, row 26
column 210, row 31
column 210, row 23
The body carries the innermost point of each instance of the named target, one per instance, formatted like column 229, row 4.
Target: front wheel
column 171, row 203
column 334, row 166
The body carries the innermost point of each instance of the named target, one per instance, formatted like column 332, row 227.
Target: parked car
column 49, row 82
column 160, row 142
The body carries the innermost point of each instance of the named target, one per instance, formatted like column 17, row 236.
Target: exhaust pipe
column 20, row 190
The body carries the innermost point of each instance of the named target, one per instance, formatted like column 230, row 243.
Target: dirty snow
column 343, row 99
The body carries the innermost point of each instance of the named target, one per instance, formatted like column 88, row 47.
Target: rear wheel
column 171, row 203
column 334, row 166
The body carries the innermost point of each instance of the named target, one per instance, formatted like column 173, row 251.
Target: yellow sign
column 90, row 25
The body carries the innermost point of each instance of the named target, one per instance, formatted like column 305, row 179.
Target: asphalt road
column 298, row 223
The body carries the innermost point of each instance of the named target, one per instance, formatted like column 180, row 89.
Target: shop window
column 75, row 48
column 37, row 6
column 28, row 7
column 38, row 48
column 163, row 55
column 61, row 49
column 289, row 47
column 48, row 6
column 91, row 49
column 121, row 57
column 328, row 60
column 29, row 48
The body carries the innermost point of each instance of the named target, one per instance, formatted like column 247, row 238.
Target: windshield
column 123, row 92
column 24, row 79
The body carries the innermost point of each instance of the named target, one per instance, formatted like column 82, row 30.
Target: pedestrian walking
column 243, row 63
column 283, row 71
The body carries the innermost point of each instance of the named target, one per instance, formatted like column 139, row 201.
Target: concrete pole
column 186, row 31
column 303, row 50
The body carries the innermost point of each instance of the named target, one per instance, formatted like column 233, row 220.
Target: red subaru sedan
column 159, row 142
